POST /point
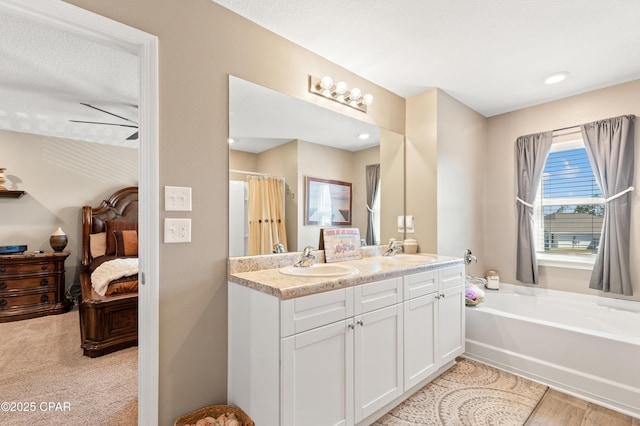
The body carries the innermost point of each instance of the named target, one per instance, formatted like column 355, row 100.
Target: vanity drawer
column 451, row 277
column 376, row 295
column 308, row 312
column 420, row 284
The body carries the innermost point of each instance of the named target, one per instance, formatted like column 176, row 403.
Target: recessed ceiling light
column 556, row 78
column 363, row 136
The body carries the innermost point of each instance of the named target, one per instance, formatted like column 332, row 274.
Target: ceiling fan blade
column 107, row 112
column 105, row 124
column 133, row 137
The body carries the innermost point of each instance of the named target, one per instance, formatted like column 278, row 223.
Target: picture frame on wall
column 327, row 202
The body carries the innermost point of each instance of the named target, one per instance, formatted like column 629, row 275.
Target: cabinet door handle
column 351, row 326
column 3, row 269
column 3, row 302
column 44, row 298
column 44, row 267
column 44, row 282
column 360, row 322
column 3, row 285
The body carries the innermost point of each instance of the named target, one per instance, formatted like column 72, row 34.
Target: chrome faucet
column 278, row 248
column 394, row 248
column 307, row 258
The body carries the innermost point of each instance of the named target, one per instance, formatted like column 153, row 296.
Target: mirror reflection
column 276, row 143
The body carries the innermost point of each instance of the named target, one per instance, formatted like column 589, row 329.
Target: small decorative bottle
column 58, row 240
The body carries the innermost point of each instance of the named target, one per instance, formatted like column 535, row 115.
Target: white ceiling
column 491, row 55
column 45, row 75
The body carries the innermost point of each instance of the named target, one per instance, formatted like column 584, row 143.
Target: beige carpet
column 41, row 362
column 470, row 393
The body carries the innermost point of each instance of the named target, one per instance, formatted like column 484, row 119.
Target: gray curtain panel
column 610, row 150
column 373, row 181
column 531, row 154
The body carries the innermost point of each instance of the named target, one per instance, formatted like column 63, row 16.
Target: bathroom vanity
column 340, row 350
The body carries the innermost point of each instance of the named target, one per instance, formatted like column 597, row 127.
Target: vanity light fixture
column 340, row 92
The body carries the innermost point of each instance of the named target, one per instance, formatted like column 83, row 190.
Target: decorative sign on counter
column 341, row 244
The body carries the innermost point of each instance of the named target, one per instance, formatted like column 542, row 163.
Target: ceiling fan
column 134, row 136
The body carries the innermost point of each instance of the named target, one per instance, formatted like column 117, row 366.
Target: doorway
column 83, row 23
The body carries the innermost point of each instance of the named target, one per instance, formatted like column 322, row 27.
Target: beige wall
column 421, row 169
column 59, row 177
column 200, row 44
column 462, row 162
column 244, row 161
column 500, row 244
column 392, row 185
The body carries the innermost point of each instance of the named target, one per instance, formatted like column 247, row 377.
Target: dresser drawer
column 26, row 268
column 27, row 300
column 27, row 283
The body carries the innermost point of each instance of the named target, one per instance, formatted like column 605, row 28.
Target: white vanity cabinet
column 337, row 357
column 342, row 371
column 433, row 321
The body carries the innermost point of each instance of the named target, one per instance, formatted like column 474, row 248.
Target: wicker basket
column 471, row 302
column 214, row 411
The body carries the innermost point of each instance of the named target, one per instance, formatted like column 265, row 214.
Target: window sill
column 566, row 261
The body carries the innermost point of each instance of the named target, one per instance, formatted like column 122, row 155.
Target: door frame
column 100, row 29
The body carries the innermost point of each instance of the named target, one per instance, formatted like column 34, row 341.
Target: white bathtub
column 587, row 346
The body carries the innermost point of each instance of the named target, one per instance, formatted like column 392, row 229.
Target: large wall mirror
column 277, row 142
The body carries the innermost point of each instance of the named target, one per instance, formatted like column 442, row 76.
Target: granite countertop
column 262, row 272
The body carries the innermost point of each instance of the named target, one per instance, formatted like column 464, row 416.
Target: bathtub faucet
column 468, row 257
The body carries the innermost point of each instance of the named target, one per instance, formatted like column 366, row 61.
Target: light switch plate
column 177, row 230
column 177, row 198
column 400, row 223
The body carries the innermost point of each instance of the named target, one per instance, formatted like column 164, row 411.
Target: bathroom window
column 569, row 207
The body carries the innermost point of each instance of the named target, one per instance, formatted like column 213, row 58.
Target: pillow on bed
column 126, row 243
column 116, row 225
column 98, row 244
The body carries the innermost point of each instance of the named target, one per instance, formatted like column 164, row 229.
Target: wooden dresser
column 32, row 285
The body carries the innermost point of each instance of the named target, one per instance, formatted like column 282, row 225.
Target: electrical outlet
column 177, row 198
column 177, row 230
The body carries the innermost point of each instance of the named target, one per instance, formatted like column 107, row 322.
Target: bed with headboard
column 108, row 304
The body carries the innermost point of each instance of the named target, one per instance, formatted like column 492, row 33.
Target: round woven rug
column 470, row 393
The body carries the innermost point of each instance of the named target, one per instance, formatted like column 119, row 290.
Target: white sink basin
column 319, row 270
column 402, row 257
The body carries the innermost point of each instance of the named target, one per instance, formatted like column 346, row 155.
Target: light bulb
column 326, row 82
column 355, row 93
column 367, row 99
column 230, row 141
column 341, row 87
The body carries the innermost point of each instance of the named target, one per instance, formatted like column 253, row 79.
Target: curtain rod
column 254, row 173
column 577, row 127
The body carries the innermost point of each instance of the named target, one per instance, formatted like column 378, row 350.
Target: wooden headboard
column 122, row 205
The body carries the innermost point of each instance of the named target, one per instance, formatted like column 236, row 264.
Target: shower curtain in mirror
column 610, row 150
column 531, row 154
column 373, row 182
column 266, row 214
